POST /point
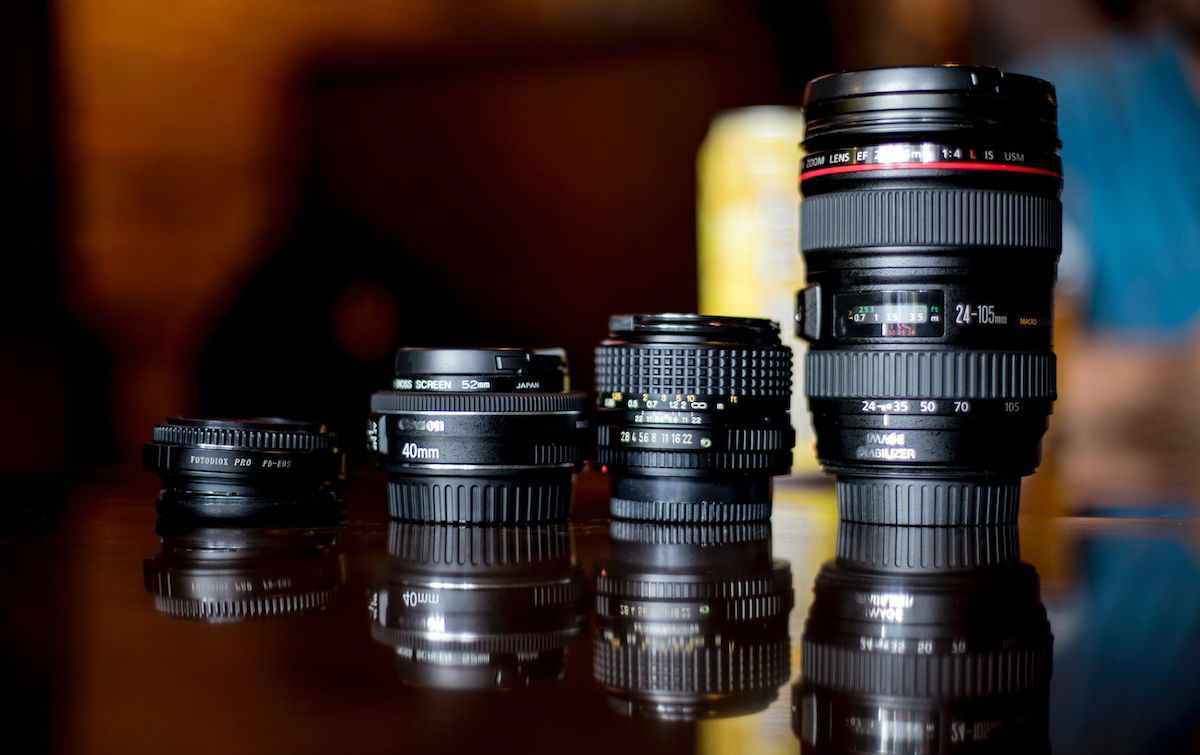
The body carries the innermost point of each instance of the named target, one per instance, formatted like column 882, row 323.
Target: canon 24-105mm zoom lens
column 931, row 228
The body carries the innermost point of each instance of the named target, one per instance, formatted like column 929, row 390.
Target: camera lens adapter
column 692, row 416
column 485, row 435
column 925, row 640
column 242, row 468
column 931, row 228
column 478, row 607
column 691, row 620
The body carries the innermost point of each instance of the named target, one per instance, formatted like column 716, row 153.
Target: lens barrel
column 478, row 607
column 931, row 229
column 479, row 435
column 245, row 468
column 925, row 640
column 692, row 416
column 691, row 620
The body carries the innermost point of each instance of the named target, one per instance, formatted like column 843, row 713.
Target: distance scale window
column 889, row 314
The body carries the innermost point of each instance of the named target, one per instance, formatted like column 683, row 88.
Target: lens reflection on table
column 218, row 573
column 691, row 620
column 478, row 607
column 925, row 640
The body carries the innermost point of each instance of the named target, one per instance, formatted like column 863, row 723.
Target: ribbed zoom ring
column 928, row 502
column 480, row 502
column 744, row 667
column 971, row 674
column 266, row 440
column 930, row 217
column 694, row 369
column 931, row 374
column 768, row 462
column 885, row 547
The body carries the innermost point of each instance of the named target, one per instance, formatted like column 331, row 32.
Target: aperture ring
column 696, row 438
column 675, row 369
column 930, row 374
column 771, row 462
column 970, row 674
column 930, row 217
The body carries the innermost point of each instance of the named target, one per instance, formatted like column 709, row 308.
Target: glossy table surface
column 125, row 634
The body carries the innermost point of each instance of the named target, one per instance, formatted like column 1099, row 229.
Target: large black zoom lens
column 931, row 228
column 692, row 416
column 479, row 435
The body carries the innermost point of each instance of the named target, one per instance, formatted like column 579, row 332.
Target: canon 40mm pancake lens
column 245, row 468
column 692, row 416
column 485, row 435
column 931, row 228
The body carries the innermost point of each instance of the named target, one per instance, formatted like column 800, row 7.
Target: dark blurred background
column 242, row 208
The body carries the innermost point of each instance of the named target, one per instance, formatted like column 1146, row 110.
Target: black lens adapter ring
column 238, row 468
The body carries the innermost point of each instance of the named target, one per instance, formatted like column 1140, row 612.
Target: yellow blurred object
column 748, row 233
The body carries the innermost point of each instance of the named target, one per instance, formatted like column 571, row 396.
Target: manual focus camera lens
column 239, row 468
column 479, row 435
column 692, row 416
column 931, row 228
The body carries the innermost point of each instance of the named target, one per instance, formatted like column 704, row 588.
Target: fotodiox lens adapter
column 692, row 416
column 239, row 468
column 487, row 435
column 931, row 228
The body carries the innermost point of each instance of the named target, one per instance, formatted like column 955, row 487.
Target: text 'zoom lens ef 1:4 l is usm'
column 931, row 228
column 692, row 416
column 483, row 435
